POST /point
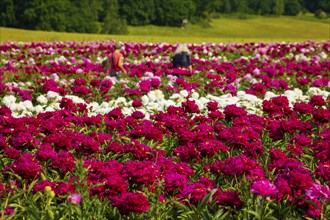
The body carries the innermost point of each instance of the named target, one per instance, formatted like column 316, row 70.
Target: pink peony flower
column 75, row 198
column 263, row 188
column 319, row 192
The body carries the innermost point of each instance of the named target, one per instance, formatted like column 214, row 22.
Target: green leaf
column 33, row 214
column 206, row 199
column 256, row 214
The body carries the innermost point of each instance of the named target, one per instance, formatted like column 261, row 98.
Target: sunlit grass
column 224, row 29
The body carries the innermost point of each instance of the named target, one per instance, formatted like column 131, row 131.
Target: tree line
column 113, row 16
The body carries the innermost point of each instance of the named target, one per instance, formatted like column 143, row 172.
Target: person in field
column 115, row 61
column 181, row 58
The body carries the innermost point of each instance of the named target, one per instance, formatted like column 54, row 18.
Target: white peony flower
column 127, row 110
column 195, row 95
column 42, row 99
column 53, row 96
column 93, row 106
column 49, row 109
column 104, row 105
column 75, row 99
column 19, row 107
column 28, row 104
column 269, row 95
column 184, row 93
column 145, row 99
column 37, row 109
column 151, row 96
column 317, row 91
column 8, row 100
column 120, row 101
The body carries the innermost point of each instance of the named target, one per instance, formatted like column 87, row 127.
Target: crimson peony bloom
column 212, row 106
column 229, row 198
column 317, row 100
column 187, row 153
column 175, row 182
column 303, row 108
column 278, row 105
column 194, row 192
column 26, row 167
column 263, row 188
column 190, row 106
column 216, row 115
column 64, row 161
column 233, row 111
column 322, row 115
column 323, row 171
column 138, row 115
column 131, row 202
column 140, row 172
column 137, row 103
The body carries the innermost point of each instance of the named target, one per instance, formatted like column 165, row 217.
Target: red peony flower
column 131, row 202
column 26, row 167
column 137, row 103
column 229, row 198
column 233, row 111
column 190, row 106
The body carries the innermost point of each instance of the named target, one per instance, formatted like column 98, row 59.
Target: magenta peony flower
column 229, row 198
column 175, row 182
column 194, row 192
column 212, row 106
column 190, row 106
column 64, row 161
column 140, row 172
column 131, row 202
column 323, row 171
column 9, row 210
column 319, row 192
column 317, row 100
column 263, row 188
column 137, row 103
column 233, row 111
column 303, row 108
column 138, row 115
column 26, row 167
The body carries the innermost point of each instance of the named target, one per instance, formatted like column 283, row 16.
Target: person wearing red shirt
column 115, row 61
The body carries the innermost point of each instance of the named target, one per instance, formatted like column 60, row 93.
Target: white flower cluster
column 155, row 101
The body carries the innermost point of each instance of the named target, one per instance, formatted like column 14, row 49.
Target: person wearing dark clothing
column 181, row 58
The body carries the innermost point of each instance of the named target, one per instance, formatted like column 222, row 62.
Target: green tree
column 254, row 6
column 205, row 8
column 292, row 7
column 226, row 7
column 112, row 23
column 277, row 7
column 324, row 5
column 172, row 12
column 265, row 7
column 7, row 13
column 242, row 6
column 84, row 16
column 137, row 12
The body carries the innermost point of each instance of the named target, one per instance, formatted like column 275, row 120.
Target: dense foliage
column 246, row 135
column 111, row 16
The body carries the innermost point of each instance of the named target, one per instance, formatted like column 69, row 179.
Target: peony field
column 245, row 135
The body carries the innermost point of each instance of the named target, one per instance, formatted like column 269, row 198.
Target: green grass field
column 224, row 29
